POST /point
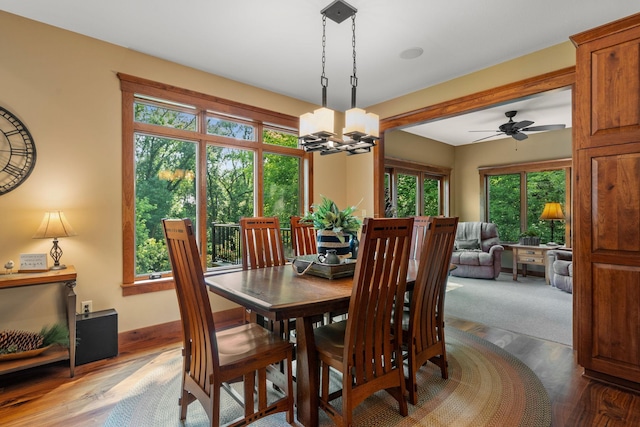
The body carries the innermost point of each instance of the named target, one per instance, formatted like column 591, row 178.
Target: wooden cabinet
column 606, row 155
column 66, row 276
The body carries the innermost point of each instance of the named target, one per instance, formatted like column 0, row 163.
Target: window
column 192, row 155
column 414, row 189
column 514, row 198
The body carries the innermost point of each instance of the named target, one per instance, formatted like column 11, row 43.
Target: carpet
column 486, row 387
column 527, row 306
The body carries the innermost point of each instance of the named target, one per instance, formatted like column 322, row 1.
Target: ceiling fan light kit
column 516, row 129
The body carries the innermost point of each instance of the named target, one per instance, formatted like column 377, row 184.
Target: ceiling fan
column 516, row 129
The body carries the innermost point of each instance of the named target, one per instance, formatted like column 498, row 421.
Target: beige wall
column 466, row 190
column 63, row 86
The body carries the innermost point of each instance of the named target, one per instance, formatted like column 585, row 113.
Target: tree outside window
column 515, row 198
column 191, row 160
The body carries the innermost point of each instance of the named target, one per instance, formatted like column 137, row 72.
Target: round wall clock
column 17, row 152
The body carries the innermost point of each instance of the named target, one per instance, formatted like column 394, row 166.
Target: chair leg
column 184, row 401
column 289, row 386
column 262, row 388
column 249, row 387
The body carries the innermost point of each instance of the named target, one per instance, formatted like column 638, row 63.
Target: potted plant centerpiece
column 335, row 226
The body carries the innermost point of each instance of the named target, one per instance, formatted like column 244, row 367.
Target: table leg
column 71, row 323
column 515, row 264
column 307, row 373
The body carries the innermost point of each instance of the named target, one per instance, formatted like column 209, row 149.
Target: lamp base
column 58, row 267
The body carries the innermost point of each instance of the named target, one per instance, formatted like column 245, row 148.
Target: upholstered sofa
column 477, row 252
column 560, row 269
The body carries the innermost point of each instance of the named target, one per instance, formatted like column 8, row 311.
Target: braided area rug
column 486, row 387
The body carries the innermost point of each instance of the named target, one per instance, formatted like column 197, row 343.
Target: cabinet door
column 606, row 154
column 607, row 102
column 607, row 263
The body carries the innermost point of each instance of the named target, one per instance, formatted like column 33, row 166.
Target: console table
column 66, row 276
column 529, row 255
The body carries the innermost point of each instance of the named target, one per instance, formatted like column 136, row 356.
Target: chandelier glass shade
column 317, row 129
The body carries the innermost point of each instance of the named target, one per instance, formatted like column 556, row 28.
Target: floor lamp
column 552, row 211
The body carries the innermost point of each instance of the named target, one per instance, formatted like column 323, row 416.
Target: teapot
column 331, row 257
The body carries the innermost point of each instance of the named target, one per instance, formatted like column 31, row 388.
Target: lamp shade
column 53, row 225
column 552, row 211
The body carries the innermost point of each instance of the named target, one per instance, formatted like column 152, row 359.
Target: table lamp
column 552, row 211
column 54, row 225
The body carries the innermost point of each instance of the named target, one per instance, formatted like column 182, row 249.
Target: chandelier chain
column 323, row 79
column 353, row 43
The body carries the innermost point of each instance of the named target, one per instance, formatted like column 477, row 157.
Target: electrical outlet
column 87, row 306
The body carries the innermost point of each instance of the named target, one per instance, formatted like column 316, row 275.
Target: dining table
column 280, row 293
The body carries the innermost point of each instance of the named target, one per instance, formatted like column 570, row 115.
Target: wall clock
column 17, row 152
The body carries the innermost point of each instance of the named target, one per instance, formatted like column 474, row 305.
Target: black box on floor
column 97, row 334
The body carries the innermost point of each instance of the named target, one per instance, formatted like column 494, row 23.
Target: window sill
column 162, row 284
column 146, row 286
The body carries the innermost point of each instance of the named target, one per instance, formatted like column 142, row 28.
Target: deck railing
column 226, row 245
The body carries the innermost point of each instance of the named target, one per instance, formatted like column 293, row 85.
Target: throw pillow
column 467, row 244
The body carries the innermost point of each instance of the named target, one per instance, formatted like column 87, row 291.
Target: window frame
column 393, row 167
column 205, row 105
column 523, row 168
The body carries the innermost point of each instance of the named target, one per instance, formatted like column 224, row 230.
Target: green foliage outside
column 407, row 196
column 166, row 178
column 431, row 197
column 505, row 202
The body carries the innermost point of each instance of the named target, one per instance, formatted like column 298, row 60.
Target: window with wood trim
column 415, row 189
column 187, row 154
column 513, row 197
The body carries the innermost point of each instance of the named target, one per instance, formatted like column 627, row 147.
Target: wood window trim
column 132, row 85
column 523, row 168
column 401, row 165
column 545, row 82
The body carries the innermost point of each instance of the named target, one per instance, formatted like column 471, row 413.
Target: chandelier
column 317, row 129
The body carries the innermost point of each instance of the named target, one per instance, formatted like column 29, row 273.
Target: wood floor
column 46, row 396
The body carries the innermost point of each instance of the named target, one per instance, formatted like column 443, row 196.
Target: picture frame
column 33, row 263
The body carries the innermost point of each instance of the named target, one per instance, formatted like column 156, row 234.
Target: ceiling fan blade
column 487, row 137
column 543, row 128
column 519, row 136
column 522, row 124
column 493, row 130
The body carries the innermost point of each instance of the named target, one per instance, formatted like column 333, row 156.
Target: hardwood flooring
column 46, row 396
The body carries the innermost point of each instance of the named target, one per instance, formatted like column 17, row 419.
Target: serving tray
column 309, row 264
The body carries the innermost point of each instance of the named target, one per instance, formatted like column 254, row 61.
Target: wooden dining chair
column 261, row 242
column 304, row 242
column 423, row 324
column 303, row 237
column 262, row 247
column 364, row 348
column 213, row 359
column 420, row 225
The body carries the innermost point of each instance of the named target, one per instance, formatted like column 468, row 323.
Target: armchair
column 477, row 252
column 560, row 269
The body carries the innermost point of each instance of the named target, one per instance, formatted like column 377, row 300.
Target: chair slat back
column 303, row 237
column 261, row 242
column 420, row 224
column 427, row 304
column 200, row 346
column 377, row 297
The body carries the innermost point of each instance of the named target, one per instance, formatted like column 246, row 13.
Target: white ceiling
column 550, row 108
column 276, row 44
